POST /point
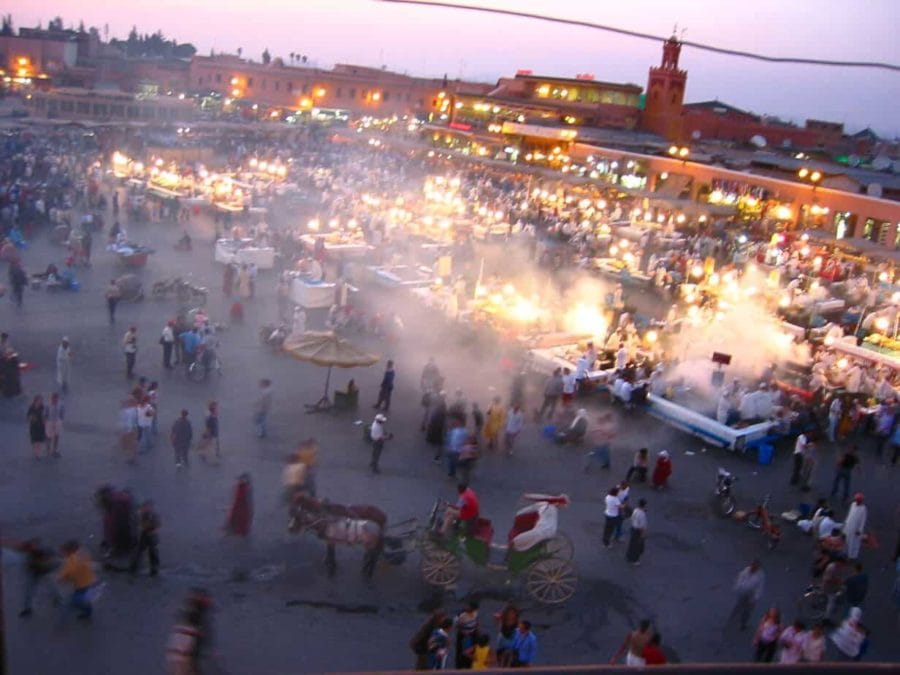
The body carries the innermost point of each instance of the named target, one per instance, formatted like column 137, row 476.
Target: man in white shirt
column 379, row 436
column 613, row 513
column 569, row 386
column 582, row 367
column 799, row 447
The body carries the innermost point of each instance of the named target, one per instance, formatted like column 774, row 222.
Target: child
column 480, row 652
column 439, row 645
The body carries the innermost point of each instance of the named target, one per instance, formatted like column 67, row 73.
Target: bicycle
column 759, row 519
column 814, row 603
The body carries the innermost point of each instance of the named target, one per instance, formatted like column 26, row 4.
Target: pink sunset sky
column 435, row 41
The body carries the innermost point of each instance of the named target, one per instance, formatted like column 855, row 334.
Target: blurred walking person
column 148, row 540
column 113, row 294
column 54, row 415
column 181, row 436
column 515, row 421
column 63, row 365
column 36, row 415
column 494, row 423
column 262, row 407
column 211, row 433
column 167, row 340
column 130, row 347
column 748, row 588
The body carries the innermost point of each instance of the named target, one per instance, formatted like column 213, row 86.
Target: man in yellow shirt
column 77, row 571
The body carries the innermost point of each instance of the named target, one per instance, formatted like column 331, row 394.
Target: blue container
column 765, row 452
column 550, row 431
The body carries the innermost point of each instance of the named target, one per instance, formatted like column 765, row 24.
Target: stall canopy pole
column 480, row 277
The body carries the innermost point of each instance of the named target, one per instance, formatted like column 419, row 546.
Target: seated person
column 464, row 513
column 576, row 431
column 352, row 389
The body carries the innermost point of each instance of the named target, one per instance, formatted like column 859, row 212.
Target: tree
column 266, row 57
column 56, row 24
column 240, row 50
column 292, row 55
column 184, row 51
column 81, row 29
column 7, row 28
column 303, row 59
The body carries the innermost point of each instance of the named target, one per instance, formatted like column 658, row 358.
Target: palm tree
column 240, row 51
column 292, row 58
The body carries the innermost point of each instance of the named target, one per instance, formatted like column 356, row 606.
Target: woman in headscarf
column 662, row 470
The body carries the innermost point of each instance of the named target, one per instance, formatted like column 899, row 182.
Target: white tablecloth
column 354, row 250
column 263, row 258
column 312, row 296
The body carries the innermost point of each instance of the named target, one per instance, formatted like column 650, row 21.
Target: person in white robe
column 855, row 525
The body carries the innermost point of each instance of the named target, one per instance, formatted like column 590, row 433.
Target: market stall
column 244, row 252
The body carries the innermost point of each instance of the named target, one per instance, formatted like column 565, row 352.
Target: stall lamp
column 881, row 323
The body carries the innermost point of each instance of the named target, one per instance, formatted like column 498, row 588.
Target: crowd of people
column 52, row 181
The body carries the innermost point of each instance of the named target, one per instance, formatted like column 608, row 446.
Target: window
column 66, row 106
column 218, row 78
column 133, row 112
column 386, row 96
column 290, row 86
column 117, row 110
column 340, row 93
column 249, row 82
column 264, row 83
column 352, row 92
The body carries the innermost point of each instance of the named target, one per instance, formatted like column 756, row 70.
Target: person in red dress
column 240, row 517
column 653, row 653
column 662, row 470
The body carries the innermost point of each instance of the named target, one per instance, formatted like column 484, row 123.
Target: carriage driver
column 464, row 513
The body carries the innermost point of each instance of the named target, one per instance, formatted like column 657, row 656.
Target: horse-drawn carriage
column 535, row 550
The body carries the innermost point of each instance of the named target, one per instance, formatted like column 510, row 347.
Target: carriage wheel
column 560, row 546
column 551, row 581
column 440, row 567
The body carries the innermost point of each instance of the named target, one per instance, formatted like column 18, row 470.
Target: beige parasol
column 325, row 348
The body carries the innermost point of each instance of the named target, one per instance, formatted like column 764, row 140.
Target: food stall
column 400, row 276
column 314, row 294
column 346, row 244
column 244, row 252
column 706, row 428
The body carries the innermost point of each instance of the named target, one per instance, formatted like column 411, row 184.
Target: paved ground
column 289, row 616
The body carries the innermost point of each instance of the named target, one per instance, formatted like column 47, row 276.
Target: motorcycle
column 724, row 481
column 759, row 519
column 184, row 291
